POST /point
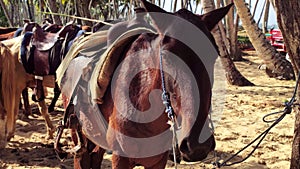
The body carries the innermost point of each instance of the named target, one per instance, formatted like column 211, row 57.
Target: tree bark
column 12, row 14
column 54, row 9
column 6, row 13
column 274, row 61
column 289, row 22
column 234, row 77
column 83, row 10
column 266, row 17
column 255, row 7
column 175, row 6
column 32, row 9
column 235, row 53
column 29, row 11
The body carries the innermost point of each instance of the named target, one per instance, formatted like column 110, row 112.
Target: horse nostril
column 184, row 146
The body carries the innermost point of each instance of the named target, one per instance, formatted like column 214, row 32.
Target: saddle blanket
column 102, row 60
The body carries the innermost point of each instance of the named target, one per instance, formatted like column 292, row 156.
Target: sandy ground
column 240, row 122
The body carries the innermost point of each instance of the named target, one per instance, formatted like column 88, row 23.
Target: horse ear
column 151, row 7
column 26, row 20
column 155, row 13
column 211, row 19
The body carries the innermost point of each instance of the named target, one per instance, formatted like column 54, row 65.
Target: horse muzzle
column 192, row 150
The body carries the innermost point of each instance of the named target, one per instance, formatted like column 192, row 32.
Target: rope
column 287, row 110
column 76, row 17
column 169, row 110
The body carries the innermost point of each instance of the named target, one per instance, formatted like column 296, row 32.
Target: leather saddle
column 42, row 53
column 44, row 49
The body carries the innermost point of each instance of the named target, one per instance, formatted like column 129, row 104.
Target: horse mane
column 7, row 78
column 14, row 45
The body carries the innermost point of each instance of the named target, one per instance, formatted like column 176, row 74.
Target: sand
column 240, row 122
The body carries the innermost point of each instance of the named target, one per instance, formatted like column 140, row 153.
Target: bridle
column 168, row 107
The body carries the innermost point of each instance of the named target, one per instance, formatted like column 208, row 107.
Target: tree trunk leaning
column 83, row 10
column 234, row 77
column 6, row 13
column 266, row 17
column 289, row 22
column 279, row 66
column 54, row 9
column 235, row 53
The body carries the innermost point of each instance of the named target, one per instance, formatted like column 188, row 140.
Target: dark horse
column 138, row 130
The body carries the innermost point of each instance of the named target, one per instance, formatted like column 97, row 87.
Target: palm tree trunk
column 234, row 77
column 289, row 23
column 255, row 7
column 6, row 13
column 175, row 6
column 266, row 17
column 116, row 9
column 83, row 10
column 12, row 14
column 235, row 53
column 272, row 3
column 274, row 61
column 261, row 13
column 19, row 7
column 29, row 11
column 53, row 8
column 32, row 9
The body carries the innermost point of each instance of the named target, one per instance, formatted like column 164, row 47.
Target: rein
column 287, row 110
column 169, row 109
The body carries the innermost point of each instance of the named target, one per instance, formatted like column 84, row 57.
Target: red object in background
column 276, row 40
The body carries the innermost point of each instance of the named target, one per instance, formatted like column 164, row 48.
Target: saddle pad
column 107, row 63
column 95, row 39
column 73, row 74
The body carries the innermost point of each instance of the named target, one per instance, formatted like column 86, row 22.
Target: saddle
column 52, row 28
column 42, row 52
column 86, row 77
column 105, row 67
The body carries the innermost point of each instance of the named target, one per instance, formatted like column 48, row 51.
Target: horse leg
column 45, row 114
column 12, row 117
column 161, row 164
column 97, row 157
column 62, row 155
column 3, row 121
column 27, row 111
column 89, row 155
column 90, row 159
column 55, row 98
column 20, row 105
column 119, row 162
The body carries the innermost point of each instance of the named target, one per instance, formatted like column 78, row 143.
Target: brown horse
column 138, row 129
column 19, row 82
column 22, row 81
column 7, row 33
column 7, row 93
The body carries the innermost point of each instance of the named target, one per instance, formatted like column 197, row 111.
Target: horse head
column 28, row 26
column 179, row 35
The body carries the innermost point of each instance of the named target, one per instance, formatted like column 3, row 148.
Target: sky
column 272, row 14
